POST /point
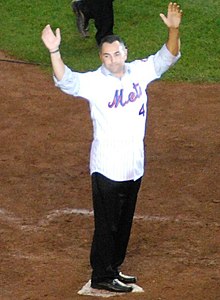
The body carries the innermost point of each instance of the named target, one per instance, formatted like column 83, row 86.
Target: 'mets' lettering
column 133, row 96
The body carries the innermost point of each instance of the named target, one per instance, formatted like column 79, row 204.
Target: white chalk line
column 18, row 223
column 11, row 219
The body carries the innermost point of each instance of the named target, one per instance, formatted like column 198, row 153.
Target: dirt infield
column 46, row 220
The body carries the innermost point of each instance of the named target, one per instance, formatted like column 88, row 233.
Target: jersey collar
column 106, row 72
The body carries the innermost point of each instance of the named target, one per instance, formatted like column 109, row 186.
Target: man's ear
column 100, row 56
column 126, row 53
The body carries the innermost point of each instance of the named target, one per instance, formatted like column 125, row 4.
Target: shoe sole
column 103, row 286
column 111, row 290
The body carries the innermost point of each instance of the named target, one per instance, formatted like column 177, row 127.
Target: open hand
column 51, row 40
column 174, row 15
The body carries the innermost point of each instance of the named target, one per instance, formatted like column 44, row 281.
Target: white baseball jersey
column 118, row 109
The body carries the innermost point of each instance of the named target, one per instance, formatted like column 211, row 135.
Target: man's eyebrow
column 108, row 53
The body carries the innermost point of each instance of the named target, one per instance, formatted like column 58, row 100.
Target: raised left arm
column 172, row 21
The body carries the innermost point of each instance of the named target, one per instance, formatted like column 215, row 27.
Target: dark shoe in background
column 82, row 20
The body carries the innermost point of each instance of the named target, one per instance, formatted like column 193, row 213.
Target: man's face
column 113, row 56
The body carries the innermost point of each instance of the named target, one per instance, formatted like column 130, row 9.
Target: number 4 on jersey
column 142, row 110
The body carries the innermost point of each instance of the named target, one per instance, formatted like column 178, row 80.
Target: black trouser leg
column 114, row 206
column 103, row 14
column 122, row 235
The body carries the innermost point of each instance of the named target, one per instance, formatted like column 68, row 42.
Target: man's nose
column 112, row 59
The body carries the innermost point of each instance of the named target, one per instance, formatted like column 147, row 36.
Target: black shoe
column 126, row 278
column 112, row 285
column 82, row 21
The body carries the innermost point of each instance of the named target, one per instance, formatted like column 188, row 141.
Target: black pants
column 102, row 12
column 114, row 205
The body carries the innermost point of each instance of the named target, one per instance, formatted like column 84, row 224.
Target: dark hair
column 111, row 39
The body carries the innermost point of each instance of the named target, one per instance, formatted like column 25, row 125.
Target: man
column 118, row 105
column 99, row 10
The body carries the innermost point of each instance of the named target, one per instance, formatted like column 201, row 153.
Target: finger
column 163, row 17
column 46, row 29
column 58, row 33
column 170, row 6
column 176, row 7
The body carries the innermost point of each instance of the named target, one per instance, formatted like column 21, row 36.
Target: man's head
column 113, row 54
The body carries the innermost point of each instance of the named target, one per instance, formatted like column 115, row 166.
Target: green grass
column 138, row 22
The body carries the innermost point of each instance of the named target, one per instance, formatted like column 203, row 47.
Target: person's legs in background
column 100, row 10
column 83, row 15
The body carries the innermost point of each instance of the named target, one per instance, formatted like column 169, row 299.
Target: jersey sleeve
column 163, row 60
column 153, row 66
column 70, row 83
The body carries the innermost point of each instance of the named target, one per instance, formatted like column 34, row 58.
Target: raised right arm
column 52, row 43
